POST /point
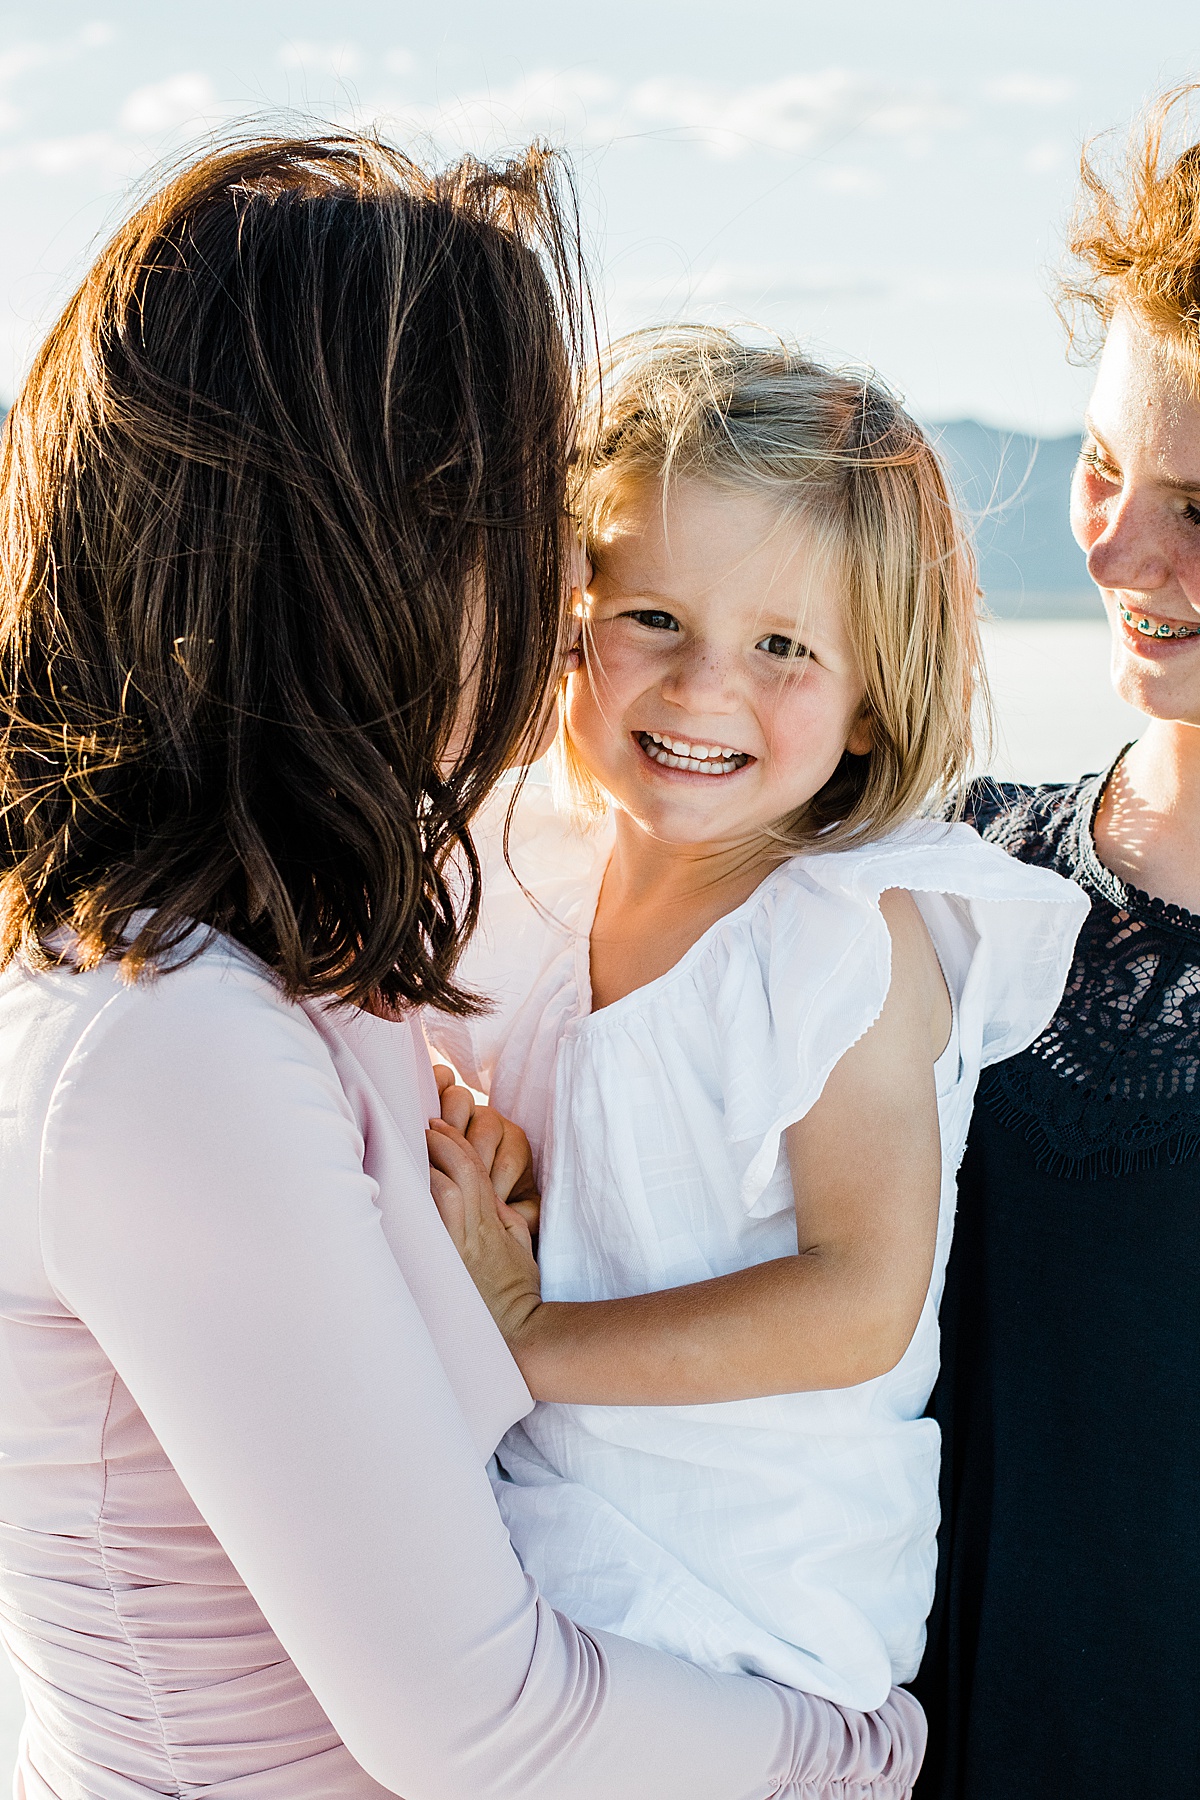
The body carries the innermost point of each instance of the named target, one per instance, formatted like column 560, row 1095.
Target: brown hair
column 836, row 449
column 287, row 474
column 1135, row 238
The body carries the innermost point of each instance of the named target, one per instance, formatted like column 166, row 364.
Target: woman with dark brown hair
column 284, row 572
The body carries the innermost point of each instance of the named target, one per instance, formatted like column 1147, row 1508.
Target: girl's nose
column 1133, row 551
column 701, row 680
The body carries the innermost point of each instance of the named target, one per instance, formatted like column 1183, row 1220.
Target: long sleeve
column 205, row 1212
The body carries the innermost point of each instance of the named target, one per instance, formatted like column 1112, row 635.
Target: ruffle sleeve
column 798, row 975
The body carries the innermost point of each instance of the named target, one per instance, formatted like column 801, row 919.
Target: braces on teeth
column 1146, row 626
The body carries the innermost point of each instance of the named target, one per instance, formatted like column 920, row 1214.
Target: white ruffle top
column 792, row 1536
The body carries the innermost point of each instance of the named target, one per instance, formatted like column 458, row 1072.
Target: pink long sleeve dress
column 248, row 1549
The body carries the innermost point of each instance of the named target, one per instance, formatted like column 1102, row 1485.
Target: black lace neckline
column 1113, row 1082
column 1097, row 875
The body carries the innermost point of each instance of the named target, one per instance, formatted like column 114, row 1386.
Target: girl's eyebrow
column 622, row 594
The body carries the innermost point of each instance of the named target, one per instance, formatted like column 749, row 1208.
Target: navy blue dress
column 1064, row 1648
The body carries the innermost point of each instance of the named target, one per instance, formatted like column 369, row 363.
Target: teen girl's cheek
column 1090, row 498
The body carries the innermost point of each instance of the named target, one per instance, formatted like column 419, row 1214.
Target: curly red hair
column 1135, row 239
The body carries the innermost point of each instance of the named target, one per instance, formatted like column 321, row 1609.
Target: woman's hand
column 491, row 1236
column 501, row 1146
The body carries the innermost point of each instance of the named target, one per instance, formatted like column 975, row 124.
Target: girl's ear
column 861, row 740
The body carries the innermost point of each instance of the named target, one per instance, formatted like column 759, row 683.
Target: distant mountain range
column 1016, row 490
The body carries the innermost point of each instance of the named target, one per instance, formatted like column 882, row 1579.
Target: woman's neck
column 1148, row 825
column 657, row 899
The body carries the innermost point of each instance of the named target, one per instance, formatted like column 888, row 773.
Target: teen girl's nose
column 1127, row 539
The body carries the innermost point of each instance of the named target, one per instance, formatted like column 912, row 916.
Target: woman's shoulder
column 64, row 1022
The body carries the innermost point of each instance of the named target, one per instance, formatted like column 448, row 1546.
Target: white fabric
column 792, row 1536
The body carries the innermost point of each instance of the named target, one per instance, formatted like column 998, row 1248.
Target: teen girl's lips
column 1150, row 629
column 694, row 759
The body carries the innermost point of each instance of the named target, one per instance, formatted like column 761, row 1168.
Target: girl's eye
column 1107, row 472
column 785, row 648
column 656, row 621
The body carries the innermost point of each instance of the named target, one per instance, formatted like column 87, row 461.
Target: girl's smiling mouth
column 1149, row 630
column 692, row 758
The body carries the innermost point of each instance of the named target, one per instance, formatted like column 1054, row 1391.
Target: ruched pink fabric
column 248, row 1549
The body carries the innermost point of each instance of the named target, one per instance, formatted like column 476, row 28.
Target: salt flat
column 1057, row 717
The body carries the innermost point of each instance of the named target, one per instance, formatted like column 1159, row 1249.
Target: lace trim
column 1113, row 1083
column 1125, row 1156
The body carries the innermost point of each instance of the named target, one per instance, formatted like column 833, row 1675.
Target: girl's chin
column 1169, row 691
column 671, row 819
column 1166, row 702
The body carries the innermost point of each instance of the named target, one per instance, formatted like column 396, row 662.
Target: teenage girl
column 744, row 989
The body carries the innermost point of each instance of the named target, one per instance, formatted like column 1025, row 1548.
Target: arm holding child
column 865, row 1164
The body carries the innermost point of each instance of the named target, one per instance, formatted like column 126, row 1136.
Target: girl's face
column 719, row 687
column 1135, row 509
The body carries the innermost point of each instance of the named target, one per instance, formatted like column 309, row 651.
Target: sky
column 888, row 183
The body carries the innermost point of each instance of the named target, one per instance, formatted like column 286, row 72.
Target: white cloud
column 22, row 59
column 845, row 178
column 338, row 60
column 1047, row 157
column 747, row 288
column 100, row 153
column 1030, row 90
column 399, row 62
column 796, row 113
column 186, row 102
column 546, row 101
column 180, row 101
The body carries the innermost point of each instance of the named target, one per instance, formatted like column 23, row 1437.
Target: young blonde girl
column 744, row 988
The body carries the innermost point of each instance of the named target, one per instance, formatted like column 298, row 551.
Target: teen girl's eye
column 1094, row 457
column 786, row 649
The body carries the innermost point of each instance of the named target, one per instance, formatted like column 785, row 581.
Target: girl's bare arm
column 866, row 1172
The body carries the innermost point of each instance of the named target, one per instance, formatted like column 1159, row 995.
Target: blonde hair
column 837, row 450
column 1135, row 238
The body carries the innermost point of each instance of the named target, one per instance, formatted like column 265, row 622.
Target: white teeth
column 701, row 759
column 692, row 752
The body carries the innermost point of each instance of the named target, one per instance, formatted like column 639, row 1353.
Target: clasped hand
column 481, row 1175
